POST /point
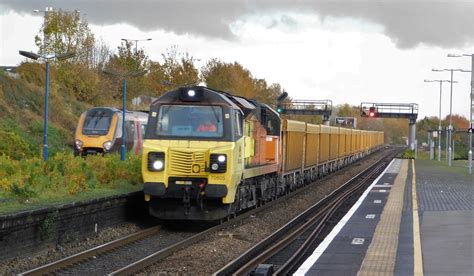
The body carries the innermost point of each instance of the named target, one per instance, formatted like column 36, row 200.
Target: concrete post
column 416, row 149
column 471, row 119
column 326, row 120
column 439, row 144
column 450, row 149
column 447, row 133
column 412, row 133
column 430, row 144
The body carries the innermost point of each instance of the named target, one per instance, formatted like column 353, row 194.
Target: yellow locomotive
column 208, row 155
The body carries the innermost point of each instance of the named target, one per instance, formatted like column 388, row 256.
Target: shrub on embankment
column 30, row 181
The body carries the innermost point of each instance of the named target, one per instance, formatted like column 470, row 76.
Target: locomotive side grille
column 181, row 162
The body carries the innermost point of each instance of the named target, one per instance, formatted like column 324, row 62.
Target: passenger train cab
column 99, row 131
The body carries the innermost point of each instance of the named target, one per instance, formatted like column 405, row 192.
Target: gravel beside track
column 106, row 263
column 214, row 252
column 20, row 264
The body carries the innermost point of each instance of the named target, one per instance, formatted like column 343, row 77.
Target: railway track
column 284, row 250
column 107, row 257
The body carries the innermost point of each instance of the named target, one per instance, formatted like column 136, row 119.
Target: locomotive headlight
column 218, row 163
column 78, row 143
column 191, row 93
column 156, row 161
column 107, row 145
column 158, row 165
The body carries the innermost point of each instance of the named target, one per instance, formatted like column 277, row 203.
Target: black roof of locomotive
column 208, row 95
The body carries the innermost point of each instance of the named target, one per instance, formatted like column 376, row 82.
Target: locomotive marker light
column 124, row 104
column 46, row 58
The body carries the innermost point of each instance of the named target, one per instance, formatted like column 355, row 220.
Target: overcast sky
column 346, row 51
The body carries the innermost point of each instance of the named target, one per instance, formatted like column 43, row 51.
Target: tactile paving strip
column 381, row 255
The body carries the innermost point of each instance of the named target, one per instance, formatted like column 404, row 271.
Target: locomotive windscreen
column 97, row 121
column 190, row 121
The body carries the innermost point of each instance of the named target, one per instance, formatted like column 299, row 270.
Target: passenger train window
column 130, row 130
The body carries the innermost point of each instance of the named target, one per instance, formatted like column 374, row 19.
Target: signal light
column 279, row 109
column 372, row 112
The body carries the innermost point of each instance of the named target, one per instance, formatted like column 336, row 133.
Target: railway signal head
column 279, row 109
column 372, row 113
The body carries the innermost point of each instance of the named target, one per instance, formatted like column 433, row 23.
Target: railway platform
column 415, row 219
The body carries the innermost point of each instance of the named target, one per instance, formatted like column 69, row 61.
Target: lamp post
column 136, row 42
column 46, row 58
column 450, row 127
column 124, row 104
column 439, row 126
column 471, row 108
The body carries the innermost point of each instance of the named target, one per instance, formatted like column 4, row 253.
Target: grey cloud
column 408, row 23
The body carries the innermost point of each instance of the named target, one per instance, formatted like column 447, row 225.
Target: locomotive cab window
column 190, row 121
column 238, row 124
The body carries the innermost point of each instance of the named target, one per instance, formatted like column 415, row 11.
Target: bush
column 65, row 175
column 408, row 154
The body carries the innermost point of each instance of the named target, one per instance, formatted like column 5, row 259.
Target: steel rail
column 235, row 266
column 90, row 253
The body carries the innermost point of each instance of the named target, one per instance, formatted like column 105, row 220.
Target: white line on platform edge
column 330, row 237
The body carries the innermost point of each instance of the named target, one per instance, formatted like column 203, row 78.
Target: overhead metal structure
column 306, row 107
column 390, row 110
column 393, row 110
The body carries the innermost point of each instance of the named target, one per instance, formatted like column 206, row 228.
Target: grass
column 458, row 166
column 9, row 205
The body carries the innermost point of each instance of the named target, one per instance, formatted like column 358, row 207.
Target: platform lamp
column 450, row 127
column 471, row 108
column 439, row 126
column 124, row 105
column 136, row 42
column 46, row 58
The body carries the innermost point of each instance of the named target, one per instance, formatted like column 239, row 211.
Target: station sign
column 346, row 122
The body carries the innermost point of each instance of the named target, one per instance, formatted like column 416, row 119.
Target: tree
column 229, row 77
column 63, row 32
column 177, row 69
column 237, row 80
column 127, row 60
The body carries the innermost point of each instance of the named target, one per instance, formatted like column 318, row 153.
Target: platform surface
column 396, row 229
